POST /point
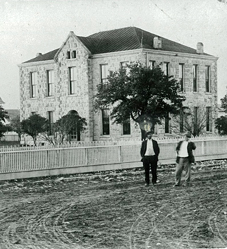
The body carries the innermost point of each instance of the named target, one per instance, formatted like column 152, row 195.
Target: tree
column 67, row 126
column 224, row 103
column 15, row 125
column 189, row 120
column 3, row 117
column 221, row 125
column 34, row 125
column 146, row 95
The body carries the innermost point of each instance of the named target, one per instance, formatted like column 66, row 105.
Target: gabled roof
column 44, row 57
column 120, row 40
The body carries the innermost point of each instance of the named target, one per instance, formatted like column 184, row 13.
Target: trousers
column 183, row 164
column 150, row 162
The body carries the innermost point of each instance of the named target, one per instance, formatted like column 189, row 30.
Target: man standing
column 184, row 160
column 149, row 153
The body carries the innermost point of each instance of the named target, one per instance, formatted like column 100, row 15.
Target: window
column 50, row 82
column 208, row 119
column 194, row 72
column 68, row 55
column 151, row 64
column 72, row 80
column 181, row 76
column 207, row 78
column 195, row 120
column 167, row 123
column 105, row 122
column 124, row 66
column 126, row 127
column 166, row 68
column 33, row 84
column 74, row 54
column 104, row 73
column 50, row 116
column 183, row 113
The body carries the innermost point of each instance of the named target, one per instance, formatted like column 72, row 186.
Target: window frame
column 151, row 64
column 181, row 76
column 50, row 84
column 33, row 84
column 207, row 79
column 195, row 77
column 126, row 127
column 165, row 68
column 72, row 81
column 50, row 117
column 208, row 119
column 105, row 122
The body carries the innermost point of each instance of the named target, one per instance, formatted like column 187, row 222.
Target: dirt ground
column 115, row 210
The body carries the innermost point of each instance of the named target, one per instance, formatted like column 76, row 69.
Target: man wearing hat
column 149, row 153
column 184, row 160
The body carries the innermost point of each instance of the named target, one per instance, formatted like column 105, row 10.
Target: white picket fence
column 81, row 157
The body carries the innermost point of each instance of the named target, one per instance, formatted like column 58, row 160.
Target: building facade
column 66, row 79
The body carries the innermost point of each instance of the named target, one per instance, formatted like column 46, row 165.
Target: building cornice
column 36, row 63
column 155, row 51
column 196, row 56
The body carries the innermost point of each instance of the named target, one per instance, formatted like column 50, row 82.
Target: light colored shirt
column 183, row 152
column 150, row 149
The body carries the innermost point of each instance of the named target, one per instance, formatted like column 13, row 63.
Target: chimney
column 157, row 42
column 199, row 48
column 38, row 54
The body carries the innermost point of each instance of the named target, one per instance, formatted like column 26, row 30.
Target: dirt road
column 114, row 210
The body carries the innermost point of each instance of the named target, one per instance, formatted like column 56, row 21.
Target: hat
column 188, row 135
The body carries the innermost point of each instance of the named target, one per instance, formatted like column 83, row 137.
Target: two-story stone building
column 65, row 79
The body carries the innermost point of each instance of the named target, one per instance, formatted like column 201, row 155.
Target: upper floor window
column 74, row 54
column 181, row 76
column 72, row 80
column 50, row 117
column 151, row 64
column 195, row 76
column 33, row 84
column 124, row 66
column 207, row 78
column 104, row 73
column 105, row 122
column 126, row 127
column 71, row 54
column 50, row 82
column 166, row 68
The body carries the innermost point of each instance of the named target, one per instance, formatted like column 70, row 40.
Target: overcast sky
column 31, row 26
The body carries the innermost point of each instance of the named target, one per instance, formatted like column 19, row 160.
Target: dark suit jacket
column 191, row 146
column 144, row 148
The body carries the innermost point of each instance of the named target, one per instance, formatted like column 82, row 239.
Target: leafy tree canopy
column 3, row 117
column 221, row 125
column 141, row 93
column 69, row 124
column 224, row 103
column 34, row 125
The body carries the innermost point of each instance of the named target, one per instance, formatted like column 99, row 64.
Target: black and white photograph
column 113, row 124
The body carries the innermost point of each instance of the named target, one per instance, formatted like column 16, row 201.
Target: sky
column 31, row 26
